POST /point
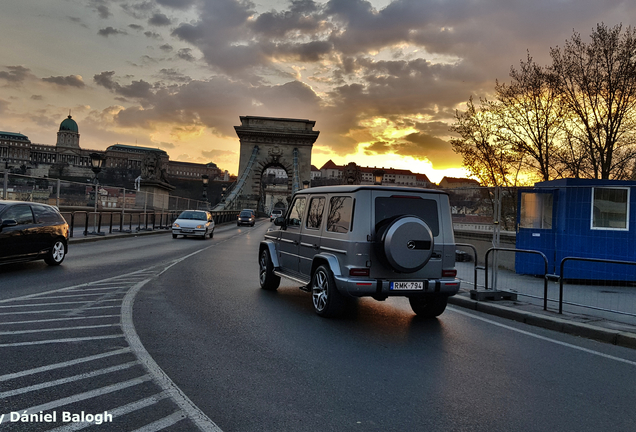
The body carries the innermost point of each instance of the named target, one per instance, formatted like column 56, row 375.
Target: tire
column 56, row 255
column 174, row 236
column 211, row 233
column 404, row 243
column 238, row 224
column 327, row 300
column 428, row 307
column 268, row 280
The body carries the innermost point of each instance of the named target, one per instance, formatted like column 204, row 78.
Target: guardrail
column 131, row 221
column 545, row 272
column 475, row 258
column 596, row 260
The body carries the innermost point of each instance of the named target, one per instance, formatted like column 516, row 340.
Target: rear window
column 426, row 209
column 44, row 214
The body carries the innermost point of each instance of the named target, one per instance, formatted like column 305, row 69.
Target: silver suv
column 342, row 242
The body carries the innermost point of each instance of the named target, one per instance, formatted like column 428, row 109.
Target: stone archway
column 272, row 141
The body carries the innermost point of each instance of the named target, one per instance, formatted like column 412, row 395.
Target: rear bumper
column 381, row 287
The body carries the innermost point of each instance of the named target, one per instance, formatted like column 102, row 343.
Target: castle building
column 67, row 158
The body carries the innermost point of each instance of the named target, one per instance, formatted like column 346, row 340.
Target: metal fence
column 110, row 210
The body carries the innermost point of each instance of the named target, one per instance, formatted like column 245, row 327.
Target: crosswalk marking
column 22, row 319
column 53, row 383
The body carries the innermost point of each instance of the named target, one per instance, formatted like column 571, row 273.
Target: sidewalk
column 81, row 238
column 586, row 322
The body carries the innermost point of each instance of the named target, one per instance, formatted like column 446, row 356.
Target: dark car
column 32, row 231
column 246, row 217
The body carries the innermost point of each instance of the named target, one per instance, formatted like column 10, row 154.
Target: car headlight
column 200, row 226
column 175, row 225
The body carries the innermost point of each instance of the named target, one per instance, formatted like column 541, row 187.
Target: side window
column 21, row 213
column 296, row 213
column 45, row 214
column 314, row 215
column 610, row 208
column 339, row 216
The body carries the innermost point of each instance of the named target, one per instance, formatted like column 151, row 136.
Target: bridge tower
column 270, row 142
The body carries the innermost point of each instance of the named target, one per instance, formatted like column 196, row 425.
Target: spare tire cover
column 407, row 243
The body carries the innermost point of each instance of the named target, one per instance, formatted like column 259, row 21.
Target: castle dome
column 68, row 124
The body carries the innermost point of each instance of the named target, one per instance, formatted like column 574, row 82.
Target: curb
column 614, row 337
column 95, row 238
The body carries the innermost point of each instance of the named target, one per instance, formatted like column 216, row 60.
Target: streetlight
column 97, row 161
column 223, row 193
column 205, row 179
column 378, row 174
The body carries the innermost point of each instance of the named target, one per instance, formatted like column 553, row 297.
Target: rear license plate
column 407, row 285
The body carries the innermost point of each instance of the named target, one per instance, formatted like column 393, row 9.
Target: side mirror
column 280, row 221
column 8, row 223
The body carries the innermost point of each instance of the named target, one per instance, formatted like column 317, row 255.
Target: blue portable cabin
column 582, row 218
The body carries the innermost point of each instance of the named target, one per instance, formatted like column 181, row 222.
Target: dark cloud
column 186, row 54
column 16, row 74
column 177, row 4
column 159, row 20
column 420, row 146
column 174, row 76
column 166, row 47
column 207, row 103
column 110, row 31
column 37, row 97
column 70, row 81
column 103, row 11
column 140, row 90
column 135, row 27
column 152, row 35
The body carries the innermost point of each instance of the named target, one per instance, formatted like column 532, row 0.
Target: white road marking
column 163, row 423
column 60, row 303
column 55, row 310
column 50, row 341
column 68, row 363
column 192, row 411
column 156, row 374
column 116, row 412
column 58, row 319
column 86, row 395
column 58, row 329
column 544, row 338
column 66, row 380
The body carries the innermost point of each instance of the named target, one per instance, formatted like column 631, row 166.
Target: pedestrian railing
column 103, row 222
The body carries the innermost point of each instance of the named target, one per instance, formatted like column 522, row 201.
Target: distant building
column 458, row 183
column 67, row 158
column 315, row 172
column 391, row 175
column 330, row 170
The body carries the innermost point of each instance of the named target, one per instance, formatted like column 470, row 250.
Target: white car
column 195, row 223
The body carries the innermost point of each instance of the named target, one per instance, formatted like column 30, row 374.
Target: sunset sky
column 382, row 79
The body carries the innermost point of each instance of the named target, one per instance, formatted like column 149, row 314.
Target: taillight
column 359, row 272
column 449, row 273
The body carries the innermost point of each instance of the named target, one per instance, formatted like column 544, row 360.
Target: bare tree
column 597, row 83
column 528, row 115
column 493, row 161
